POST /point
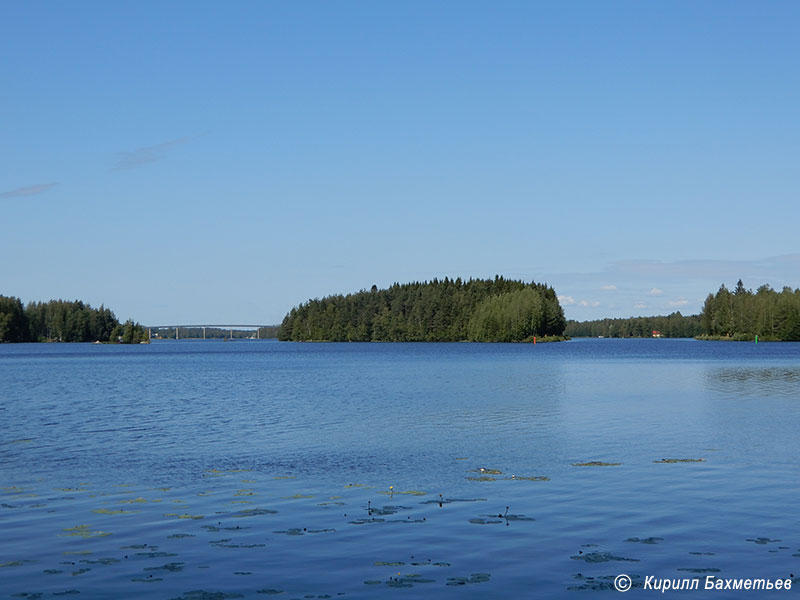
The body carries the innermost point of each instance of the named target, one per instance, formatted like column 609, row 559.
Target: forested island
column 64, row 321
column 480, row 310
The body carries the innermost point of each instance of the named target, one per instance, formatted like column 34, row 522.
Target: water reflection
column 755, row 381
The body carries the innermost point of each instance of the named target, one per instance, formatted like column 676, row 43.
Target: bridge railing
column 223, row 327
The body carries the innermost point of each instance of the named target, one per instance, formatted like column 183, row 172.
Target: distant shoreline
column 539, row 340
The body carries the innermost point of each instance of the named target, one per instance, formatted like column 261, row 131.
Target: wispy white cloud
column 587, row 303
column 608, row 288
column 566, row 300
column 690, row 280
column 679, row 302
column 30, row 190
column 704, row 269
column 655, row 292
column 145, row 155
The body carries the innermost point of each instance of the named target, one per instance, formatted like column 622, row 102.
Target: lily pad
column 386, row 510
column 441, row 500
column 14, row 563
column 472, row 579
column 83, row 531
column 101, row 561
column 477, row 521
column 254, row 512
column 297, row 531
column 604, row 582
column 405, row 493
column 214, row 528
column 399, row 583
column 366, row 521
column 510, row 517
column 204, row 595
column 173, row 567
column 599, row 557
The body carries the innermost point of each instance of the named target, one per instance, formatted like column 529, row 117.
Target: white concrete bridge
column 258, row 328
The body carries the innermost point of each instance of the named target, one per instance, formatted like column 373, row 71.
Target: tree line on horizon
column 674, row 325
column 742, row 314
column 483, row 310
column 490, row 310
column 64, row 321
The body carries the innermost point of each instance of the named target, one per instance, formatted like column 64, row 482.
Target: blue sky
column 222, row 162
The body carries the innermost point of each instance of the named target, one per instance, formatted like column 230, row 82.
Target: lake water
column 253, row 469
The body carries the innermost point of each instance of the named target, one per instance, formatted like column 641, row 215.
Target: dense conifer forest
column 742, row 314
column 484, row 310
column 674, row 325
column 63, row 321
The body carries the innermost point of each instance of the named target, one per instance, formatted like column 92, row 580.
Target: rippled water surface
column 254, row 469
